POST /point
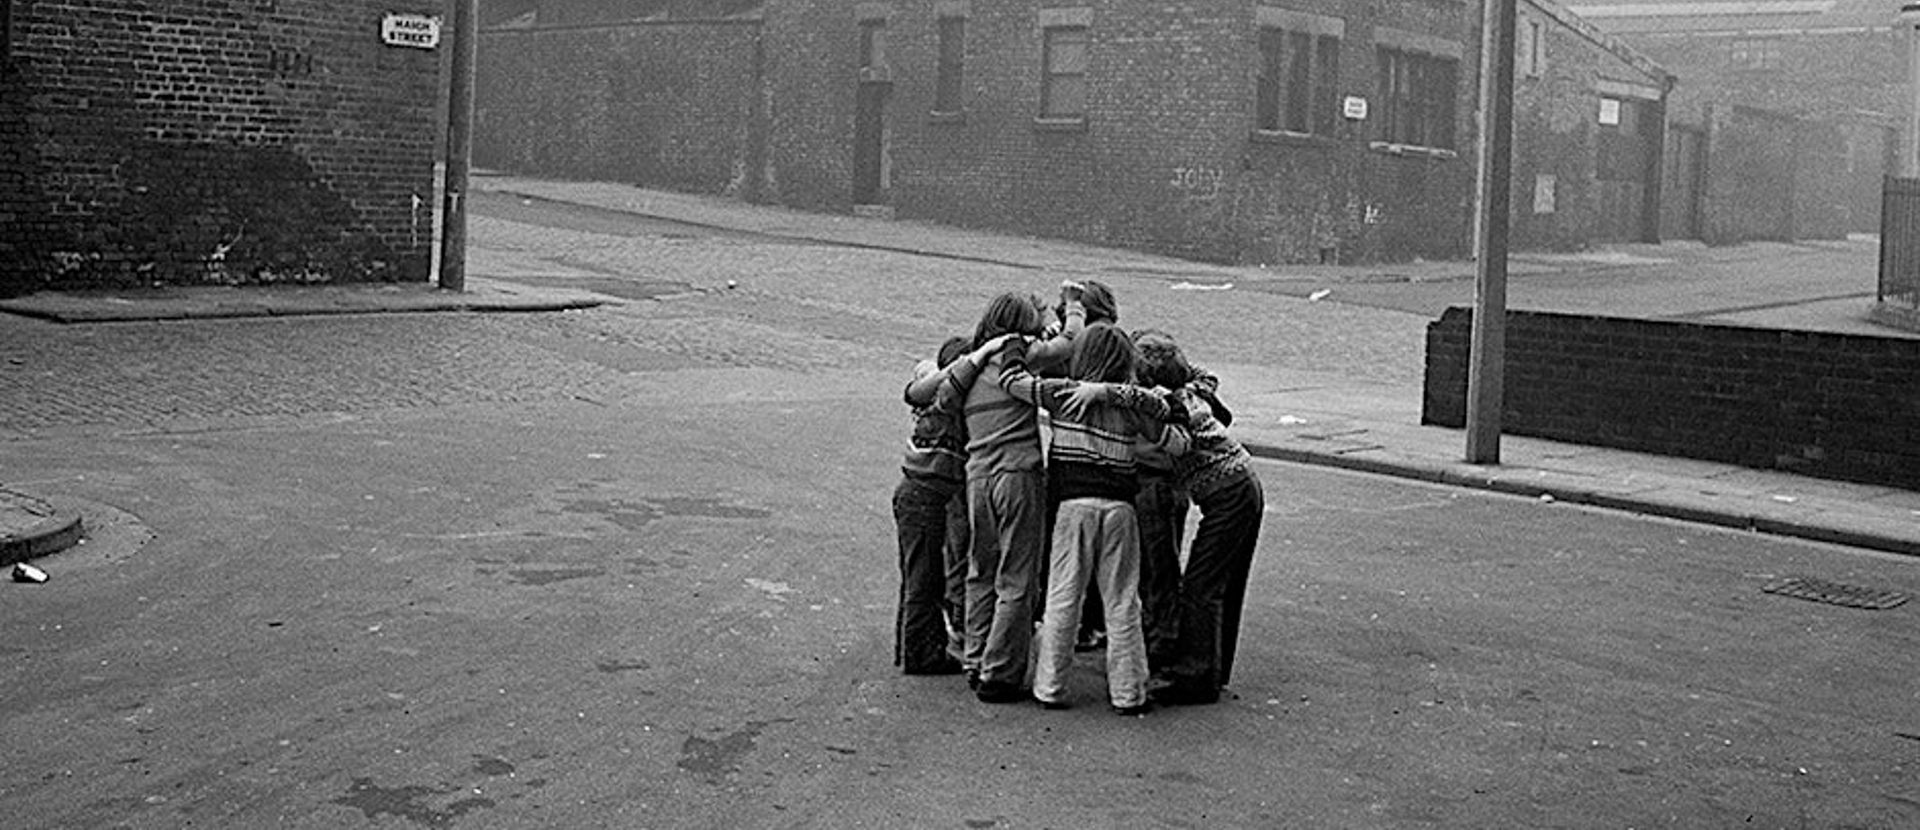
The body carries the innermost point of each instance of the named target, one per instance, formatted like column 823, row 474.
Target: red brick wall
column 1835, row 406
column 195, row 141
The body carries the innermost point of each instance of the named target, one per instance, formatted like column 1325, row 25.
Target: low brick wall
column 1835, row 406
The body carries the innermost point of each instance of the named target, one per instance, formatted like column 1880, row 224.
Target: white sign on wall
column 417, row 31
column 1610, row 112
column 1354, row 108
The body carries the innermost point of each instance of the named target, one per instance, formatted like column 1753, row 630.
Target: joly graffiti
column 1198, row 182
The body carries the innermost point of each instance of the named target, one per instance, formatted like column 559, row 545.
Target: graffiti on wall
column 1198, row 182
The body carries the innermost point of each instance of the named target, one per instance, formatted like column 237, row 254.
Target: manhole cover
column 1834, row 593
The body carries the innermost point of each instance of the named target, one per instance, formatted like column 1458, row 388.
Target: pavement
column 1303, row 417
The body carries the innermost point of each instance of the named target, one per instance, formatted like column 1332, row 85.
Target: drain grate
column 1834, row 593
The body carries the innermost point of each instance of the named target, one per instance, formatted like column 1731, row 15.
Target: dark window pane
column 1267, row 105
column 1299, row 82
column 947, row 84
column 1067, row 97
column 1326, row 92
column 1067, row 51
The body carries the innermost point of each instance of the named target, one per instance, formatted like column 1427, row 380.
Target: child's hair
column 1098, row 300
column 1161, row 361
column 1009, row 312
column 951, row 350
column 1104, row 354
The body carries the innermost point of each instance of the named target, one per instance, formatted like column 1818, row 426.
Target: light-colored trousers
column 1097, row 539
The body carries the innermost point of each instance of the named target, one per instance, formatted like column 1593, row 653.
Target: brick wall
column 673, row 105
column 1557, row 135
column 1167, row 160
column 1829, row 405
column 196, row 141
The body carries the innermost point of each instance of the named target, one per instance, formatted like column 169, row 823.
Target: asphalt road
column 634, row 567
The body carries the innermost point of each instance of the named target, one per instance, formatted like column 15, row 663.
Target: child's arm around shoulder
column 1048, row 355
column 934, row 385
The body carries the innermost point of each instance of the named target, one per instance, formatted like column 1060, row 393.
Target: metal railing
column 1900, row 243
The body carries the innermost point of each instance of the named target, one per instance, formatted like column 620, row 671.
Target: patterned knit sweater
column 937, row 449
column 1213, row 459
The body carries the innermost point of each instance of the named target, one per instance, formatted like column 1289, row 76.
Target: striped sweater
column 1093, row 456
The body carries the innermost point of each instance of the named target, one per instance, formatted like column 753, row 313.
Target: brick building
column 1589, row 116
column 211, row 141
column 1787, row 109
column 1225, row 130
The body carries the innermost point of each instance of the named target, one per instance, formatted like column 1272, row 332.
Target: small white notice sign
column 1354, row 108
column 416, row 31
column 1610, row 112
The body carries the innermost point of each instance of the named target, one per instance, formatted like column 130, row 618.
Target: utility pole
column 1486, row 364
column 453, row 235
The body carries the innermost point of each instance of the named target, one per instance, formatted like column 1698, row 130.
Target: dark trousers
column 920, row 630
column 1213, row 588
column 1162, row 511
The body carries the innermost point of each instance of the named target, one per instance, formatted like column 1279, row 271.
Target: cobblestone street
column 795, row 307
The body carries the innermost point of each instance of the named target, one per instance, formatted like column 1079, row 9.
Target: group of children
column 990, row 514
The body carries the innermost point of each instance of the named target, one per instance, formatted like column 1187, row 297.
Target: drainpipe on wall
column 1909, row 24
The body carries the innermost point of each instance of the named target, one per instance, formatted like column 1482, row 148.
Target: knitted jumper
column 937, row 449
column 1213, row 458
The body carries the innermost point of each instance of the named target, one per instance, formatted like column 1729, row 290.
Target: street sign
column 417, row 31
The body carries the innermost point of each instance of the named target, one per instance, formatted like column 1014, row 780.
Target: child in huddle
column 1095, row 534
column 1006, row 490
column 1162, row 507
column 933, row 473
column 1218, row 475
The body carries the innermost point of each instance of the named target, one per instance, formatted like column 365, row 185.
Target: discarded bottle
column 24, row 572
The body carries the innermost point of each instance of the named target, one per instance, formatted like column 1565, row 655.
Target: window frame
column 1051, row 76
column 1754, row 53
column 949, row 84
column 1296, row 74
column 1411, row 115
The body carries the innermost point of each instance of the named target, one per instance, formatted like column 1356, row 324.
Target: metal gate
column 1900, row 243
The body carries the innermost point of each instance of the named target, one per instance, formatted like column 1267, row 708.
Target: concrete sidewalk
column 1289, row 415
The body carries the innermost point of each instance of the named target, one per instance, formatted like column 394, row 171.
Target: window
column 1754, row 53
column 1063, row 87
column 1417, row 94
column 873, row 44
column 947, row 80
column 1298, row 77
column 1530, row 47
